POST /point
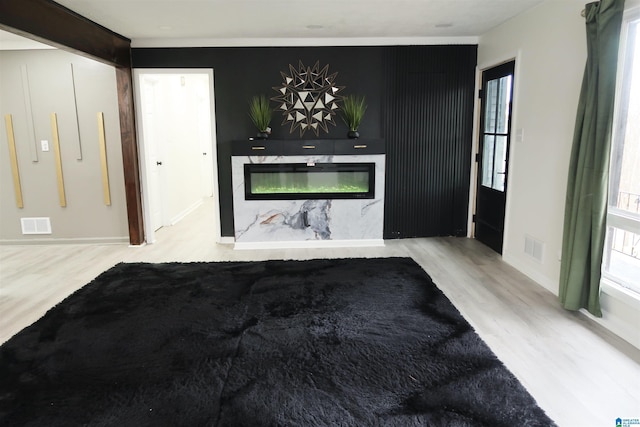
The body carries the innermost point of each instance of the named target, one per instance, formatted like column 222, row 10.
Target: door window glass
column 496, row 131
column 487, row 165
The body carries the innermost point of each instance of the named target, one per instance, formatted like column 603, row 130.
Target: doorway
column 493, row 154
column 178, row 159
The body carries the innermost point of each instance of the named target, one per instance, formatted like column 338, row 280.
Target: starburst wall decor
column 308, row 98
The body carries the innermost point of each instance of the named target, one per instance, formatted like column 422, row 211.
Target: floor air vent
column 36, row 225
column 533, row 248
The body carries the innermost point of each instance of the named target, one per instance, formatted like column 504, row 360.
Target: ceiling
column 304, row 22
column 9, row 41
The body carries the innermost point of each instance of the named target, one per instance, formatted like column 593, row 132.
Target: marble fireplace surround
column 329, row 223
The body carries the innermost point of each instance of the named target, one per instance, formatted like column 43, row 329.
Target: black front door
column 493, row 156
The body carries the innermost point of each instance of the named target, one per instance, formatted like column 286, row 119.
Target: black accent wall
column 420, row 102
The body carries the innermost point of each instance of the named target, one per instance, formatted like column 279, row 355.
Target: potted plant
column 353, row 108
column 260, row 113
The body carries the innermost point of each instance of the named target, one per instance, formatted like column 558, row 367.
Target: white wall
column 50, row 83
column 549, row 45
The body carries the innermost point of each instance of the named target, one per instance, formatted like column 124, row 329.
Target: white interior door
column 152, row 159
column 177, row 145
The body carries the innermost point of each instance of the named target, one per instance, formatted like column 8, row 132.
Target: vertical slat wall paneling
column 13, row 158
column 103, row 160
column 428, row 132
column 56, row 150
column 75, row 104
column 26, row 92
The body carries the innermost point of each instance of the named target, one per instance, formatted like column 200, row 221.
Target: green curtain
column 586, row 201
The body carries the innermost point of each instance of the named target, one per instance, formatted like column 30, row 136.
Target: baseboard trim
column 540, row 279
column 610, row 321
column 310, row 244
column 68, row 241
column 185, row 212
column 616, row 326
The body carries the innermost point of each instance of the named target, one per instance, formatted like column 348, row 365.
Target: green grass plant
column 260, row 112
column 352, row 111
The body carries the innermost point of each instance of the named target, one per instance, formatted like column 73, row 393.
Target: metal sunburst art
column 308, row 98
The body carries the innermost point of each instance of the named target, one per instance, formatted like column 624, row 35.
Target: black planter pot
column 353, row 134
column 262, row 135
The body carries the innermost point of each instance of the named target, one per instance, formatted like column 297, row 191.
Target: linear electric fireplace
column 308, row 193
column 296, row 181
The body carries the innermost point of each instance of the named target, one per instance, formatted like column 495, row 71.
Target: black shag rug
column 350, row 342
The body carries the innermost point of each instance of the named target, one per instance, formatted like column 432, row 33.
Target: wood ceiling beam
column 49, row 22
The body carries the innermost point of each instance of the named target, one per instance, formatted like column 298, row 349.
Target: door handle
column 159, row 163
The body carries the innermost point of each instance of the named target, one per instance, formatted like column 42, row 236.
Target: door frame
column 144, row 172
column 477, row 120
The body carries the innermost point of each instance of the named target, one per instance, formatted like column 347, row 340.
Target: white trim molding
column 302, row 42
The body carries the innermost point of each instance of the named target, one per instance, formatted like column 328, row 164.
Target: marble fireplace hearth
column 308, row 222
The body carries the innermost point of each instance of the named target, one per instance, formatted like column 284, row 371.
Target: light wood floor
column 580, row 374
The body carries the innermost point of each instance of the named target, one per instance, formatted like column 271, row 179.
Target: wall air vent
column 534, row 248
column 36, row 225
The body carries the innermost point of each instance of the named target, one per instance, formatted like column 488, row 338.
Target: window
column 622, row 250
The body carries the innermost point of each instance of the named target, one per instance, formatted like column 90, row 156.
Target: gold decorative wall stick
column 11, row 140
column 56, row 150
column 103, row 160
